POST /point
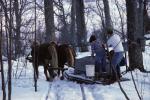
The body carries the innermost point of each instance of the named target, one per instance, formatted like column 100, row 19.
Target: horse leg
column 51, row 72
column 59, row 72
column 36, row 72
column 45, row 70
column 62, row 71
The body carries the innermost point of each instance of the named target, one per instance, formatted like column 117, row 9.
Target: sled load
column 84, row 72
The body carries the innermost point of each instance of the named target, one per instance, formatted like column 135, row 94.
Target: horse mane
column 65, row 54
column 70, row 56
column 34, row 44
column 53, row 52
column 73, row 52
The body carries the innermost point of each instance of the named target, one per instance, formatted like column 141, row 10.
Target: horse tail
column 71, row 57
column 53, row 52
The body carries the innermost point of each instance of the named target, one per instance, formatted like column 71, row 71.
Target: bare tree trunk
column 134, row 48
column 9, row 52
column 81, row 28
column 101, row 14
column 35, row 75
column 108, row 24
column 49, row 20
column 1, row 62
column 141, row 30
column 121, row 18
column 17, row 28
column 73, row 23
column 4, row 7
column 146, row 17
column 64, row 32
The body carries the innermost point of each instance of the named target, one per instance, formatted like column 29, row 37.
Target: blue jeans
column 100, row 61
column 116, row 59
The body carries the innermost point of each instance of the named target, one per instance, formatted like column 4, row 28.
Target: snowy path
column 66, row 90
column 23, row 89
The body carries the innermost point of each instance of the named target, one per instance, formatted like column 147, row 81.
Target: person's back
column 96, row 46
column 116, row 42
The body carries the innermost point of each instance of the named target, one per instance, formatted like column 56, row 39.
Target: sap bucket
column 90, row 70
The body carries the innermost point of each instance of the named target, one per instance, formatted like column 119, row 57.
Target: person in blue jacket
column 98, row 50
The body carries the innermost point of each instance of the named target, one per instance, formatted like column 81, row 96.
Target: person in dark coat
column 99, row 51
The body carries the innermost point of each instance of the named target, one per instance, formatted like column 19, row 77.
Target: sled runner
column 82, row 78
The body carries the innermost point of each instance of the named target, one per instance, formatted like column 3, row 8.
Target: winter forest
column 37, row 36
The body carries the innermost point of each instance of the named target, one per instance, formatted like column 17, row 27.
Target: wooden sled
column 81, row 78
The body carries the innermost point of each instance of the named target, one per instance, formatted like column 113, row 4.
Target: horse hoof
column 47, row 79
column 61, row 78
column 54, row 75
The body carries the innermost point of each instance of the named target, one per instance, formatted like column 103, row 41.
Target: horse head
column 34, row 50
column 70, row 55
column 53, row 52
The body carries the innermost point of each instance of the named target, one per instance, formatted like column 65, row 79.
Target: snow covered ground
column 23, row 85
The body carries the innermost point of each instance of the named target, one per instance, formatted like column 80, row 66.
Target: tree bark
column 63, row 23
column 17, row 28
column 141, row 30
column 35, row 36
column 49, row 20
column 9, row 52
column 73, row 23
column 146, row 17
column 81, row 28
column 101, row 14
column 108, row 24
column 134, row 48
column 1, row 62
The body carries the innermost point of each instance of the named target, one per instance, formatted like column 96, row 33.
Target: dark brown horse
column 66, row 55
column 51, row 53
column 44, row 54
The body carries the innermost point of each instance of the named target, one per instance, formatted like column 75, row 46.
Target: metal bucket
column 90, row 70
